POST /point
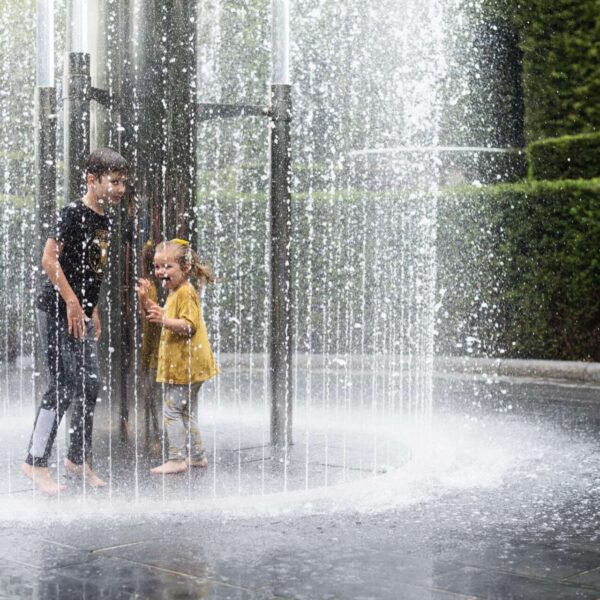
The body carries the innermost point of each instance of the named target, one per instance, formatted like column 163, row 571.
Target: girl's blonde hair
column 148, row 260
column 187, row 259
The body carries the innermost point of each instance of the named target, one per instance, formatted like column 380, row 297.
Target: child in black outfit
column 75, row 259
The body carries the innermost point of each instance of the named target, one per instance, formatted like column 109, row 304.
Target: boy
column 75, row 258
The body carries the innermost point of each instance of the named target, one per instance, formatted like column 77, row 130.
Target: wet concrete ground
column 529, row 530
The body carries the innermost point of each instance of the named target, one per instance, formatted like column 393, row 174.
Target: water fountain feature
column 363, row 234
column 363, row 253
column 401, row 480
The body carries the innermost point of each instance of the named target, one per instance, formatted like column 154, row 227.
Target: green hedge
column 521, row 268
column 561, row 65
column 567, row 157
column 518, row 271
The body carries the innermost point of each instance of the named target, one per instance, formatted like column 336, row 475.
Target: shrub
column 567, row 157
column 526, row 260
column 561, row 70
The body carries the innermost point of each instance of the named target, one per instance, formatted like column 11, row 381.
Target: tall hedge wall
column 518, row 271
column 561, row 65
column 521, row 268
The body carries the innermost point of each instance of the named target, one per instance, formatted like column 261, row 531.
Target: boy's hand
column 97, row 325
column 76, row 319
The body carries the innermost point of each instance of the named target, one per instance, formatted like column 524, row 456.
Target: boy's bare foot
column 171, row 466
column 201, row 463
column 42, row 480
column 91, row 478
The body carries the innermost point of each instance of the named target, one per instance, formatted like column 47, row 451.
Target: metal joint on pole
column 103, row 97
column 281, row 103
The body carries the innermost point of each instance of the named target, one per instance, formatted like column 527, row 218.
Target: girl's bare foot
column 201, row 463
column 91, row 478
column 171, row 466
column 42, row 480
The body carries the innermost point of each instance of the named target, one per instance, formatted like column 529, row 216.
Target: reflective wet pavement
column 531, row 532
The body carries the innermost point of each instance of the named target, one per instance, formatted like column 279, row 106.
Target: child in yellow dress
column 185, row 358
column 149, row 359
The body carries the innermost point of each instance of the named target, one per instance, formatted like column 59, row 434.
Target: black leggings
column 73, row 375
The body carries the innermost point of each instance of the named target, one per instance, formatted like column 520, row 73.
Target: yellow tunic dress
column 150, row 336
column 183, row 360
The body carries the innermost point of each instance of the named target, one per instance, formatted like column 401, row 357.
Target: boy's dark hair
column 103, row 160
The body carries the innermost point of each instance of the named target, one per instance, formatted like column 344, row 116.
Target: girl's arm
column 155, row 314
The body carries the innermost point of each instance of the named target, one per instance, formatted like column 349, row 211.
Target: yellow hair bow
column 180, row 241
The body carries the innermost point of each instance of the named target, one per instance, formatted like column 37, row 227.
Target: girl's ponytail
column 187, row 257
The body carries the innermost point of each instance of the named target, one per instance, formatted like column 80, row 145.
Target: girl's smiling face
column 168, row 270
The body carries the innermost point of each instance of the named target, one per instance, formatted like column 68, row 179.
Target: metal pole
column 44, row 34
column 280, row 36
column 77, row 103
column 45, row 127
column 281, row 234
column 45, row 144
column 45, row 166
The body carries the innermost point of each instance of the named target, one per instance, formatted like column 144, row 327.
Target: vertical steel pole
column 45, row 145
column 181, row 117
column 77, row 103
column 45, row 127
column 45, row 166
column 281, row 234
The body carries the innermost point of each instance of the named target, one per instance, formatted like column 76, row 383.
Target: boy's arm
column 75, row 316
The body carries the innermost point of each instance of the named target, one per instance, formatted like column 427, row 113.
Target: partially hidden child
column 185, row 358
column 149, row 359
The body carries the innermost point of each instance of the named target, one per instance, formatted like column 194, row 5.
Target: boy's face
column 110, row 187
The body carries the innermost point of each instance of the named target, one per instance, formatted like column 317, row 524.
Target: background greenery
column 529, row 251
column 531, row 287
column 561, row 66
column 566, row 157
column 517, row 263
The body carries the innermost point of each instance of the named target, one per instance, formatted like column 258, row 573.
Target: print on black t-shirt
column 98, row 253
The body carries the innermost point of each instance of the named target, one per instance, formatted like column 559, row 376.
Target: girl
column 185, row 359
column 149, row 357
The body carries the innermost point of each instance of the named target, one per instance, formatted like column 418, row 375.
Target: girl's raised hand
column 142, row 288
column 154, row 314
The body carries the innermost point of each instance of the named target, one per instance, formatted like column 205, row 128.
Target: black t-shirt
column 85, row 236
